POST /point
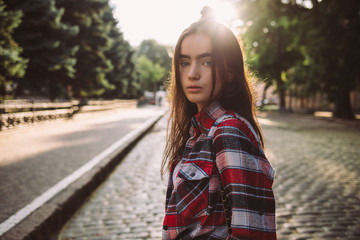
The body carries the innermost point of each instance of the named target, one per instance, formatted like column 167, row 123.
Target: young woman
column 220, row 182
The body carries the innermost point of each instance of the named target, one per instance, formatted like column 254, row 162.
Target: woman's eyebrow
column 204, row 55
column 200, row 56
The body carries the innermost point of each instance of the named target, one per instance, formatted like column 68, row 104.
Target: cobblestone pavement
column 130, row 204
column 317, row 186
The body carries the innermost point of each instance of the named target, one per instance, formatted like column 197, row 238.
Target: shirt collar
column 204, row 119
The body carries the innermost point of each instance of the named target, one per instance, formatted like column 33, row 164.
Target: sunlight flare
column 164, row 20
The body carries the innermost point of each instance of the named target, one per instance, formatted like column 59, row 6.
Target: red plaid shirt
column 222, row 143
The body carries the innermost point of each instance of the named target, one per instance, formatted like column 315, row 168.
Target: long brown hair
column 235, row 94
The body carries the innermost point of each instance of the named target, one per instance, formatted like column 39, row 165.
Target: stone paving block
column 155, row 234
column 330, row 235
column 302, row 236
column 307, row 229
column 292, row 225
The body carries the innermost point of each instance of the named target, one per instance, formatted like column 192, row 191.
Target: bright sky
column 164, row 20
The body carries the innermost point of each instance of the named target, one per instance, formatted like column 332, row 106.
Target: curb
column 48, row 219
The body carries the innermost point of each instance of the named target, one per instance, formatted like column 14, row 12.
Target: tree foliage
column 309, row 48
column 42, row 35
column 12, row 65
column 270, row 43
column 333, row 45
column 153, row 64
column 70, row 48
column 120, row 54
column 93, row 40
column 150, row 73
column 156, row 52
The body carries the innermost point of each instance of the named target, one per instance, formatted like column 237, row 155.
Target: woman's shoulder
column 233, row 120
column 234, row 124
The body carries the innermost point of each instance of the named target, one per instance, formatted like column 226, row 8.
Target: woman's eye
column 184, row 64
column 207, row 63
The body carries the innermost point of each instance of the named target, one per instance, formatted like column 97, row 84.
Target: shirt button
column 261, row 212
column 165, row 227
column 192, row 174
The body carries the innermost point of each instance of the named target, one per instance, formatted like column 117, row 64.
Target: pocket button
column 261, row 212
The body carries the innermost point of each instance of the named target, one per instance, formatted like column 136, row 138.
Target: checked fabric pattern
column 222, row 143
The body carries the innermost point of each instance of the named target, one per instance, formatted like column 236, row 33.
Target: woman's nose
column 194, row 73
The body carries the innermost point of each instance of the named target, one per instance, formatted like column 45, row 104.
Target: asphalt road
column 35, row 158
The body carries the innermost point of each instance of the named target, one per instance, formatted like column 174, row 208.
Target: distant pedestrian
column 220, row 182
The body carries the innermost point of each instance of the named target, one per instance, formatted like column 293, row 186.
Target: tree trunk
column 291, row 96
column 279, row 81
column 282, row 96
column 281, row 90
column 155, row 90
column 343, row 107
column 2, row 90
column 266, row 87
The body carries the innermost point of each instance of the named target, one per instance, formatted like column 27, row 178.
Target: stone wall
column 19, row 112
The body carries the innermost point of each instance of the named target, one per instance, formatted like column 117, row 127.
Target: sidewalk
column 130, row 204
column 317, row 185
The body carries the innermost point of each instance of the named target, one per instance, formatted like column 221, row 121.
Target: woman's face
column 195, row 69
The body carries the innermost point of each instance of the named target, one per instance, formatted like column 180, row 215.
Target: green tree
column 43, row 35
column 120, row 54
column 12, row 65
column 150, row 73
column 332, row 30
column 309, row 48
column 269, row 37
column 93, row 40
column 156, row 52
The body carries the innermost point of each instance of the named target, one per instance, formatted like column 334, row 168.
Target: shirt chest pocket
column 193, row 189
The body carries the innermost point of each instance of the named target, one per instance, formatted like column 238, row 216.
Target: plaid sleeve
column 247, row 178
column 168, row 191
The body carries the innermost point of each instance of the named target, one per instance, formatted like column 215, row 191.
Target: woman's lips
column 193, row 89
